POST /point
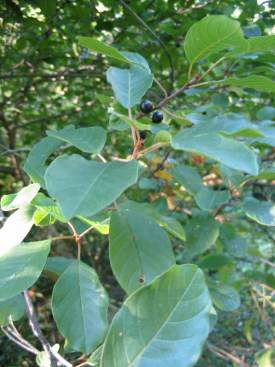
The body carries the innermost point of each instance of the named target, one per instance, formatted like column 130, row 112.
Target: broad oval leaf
column 21, row 267
column 202, row 232
column 130, row 85
column 22, row 198
column 135, row 239
column 16, row 228
column 35, row 165
column 189, row 178
column 208, row 199
column 229, row 152
column 224, row 297
column 262, row 212
column 79, row 305
column 87, row 139
column 83, row 187
column 163, row 324
column 11, row 309
column 212, row 34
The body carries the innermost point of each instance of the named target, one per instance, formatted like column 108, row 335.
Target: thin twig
column 161, row 87
column 55, row 358
column 15, row 340
column 150, row 30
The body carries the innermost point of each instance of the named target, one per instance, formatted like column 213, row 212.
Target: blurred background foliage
column 48, row 81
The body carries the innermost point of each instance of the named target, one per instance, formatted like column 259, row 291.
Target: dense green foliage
column 137, row 182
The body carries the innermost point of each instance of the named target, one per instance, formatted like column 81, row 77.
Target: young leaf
column 79, row 305
column 262, row 212
column 47, row 212
column 202, row 232
column 227, row 151
column 21, row 267
column 16, row 228
column 11, row 309
column 84, row 187
column 213, row 34
column 131, row 84
column 22, row 198
column 135, row 239
column 102, row 48
column 87, row 139
column 170, row 316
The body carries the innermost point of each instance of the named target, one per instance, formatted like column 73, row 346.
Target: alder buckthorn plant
column 137, row 184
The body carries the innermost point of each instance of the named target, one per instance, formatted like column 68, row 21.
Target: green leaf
column 172, row 226
column 213, row 34
column 88, row 139
column 132, row 122
column 35, row 164
column 102, row 48
column 189, row 178
column 84, row 187
column 57, row 265
column 99, row 224
column 16, row 228
column 233, row 242
column 79, row 305
column 130, row 85
column 266, row 358
column 262, row 212
column 224, row 297
column 47, row 212
column 227, row 151
column 94, row 359
column 261, row 44
column 170, row 316
column 22, row 198
column 257, row 82
column 11, row 309
column 202, row 232
column 208, row 199
column 135, row 239
column 215, row 261
column 21, row 267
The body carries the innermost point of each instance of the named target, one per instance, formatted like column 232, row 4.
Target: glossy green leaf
column 16, row 228
column 202, row 232
column 224, row 297
column 257, row 82
column 22, row 198
column 35, row 165
column 11, row 309
column 215, row 261
column 87, row 139
column 170, row 316
column 131, row 84
column 208, row 199
column 262, row 212
column 79, row 305
column 213, row 34
column 83, row 187
column 189, row 178
column 102, row 48
column 21, row 267
column 134, row 241
column 227, row 151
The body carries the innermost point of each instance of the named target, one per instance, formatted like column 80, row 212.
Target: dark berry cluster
column 146, row 106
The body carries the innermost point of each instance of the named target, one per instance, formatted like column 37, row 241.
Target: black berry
column 146, row 106
column 142, row 134
column 157, row 117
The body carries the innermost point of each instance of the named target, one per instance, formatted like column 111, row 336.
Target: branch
column 55, row 358
column 22, row 343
